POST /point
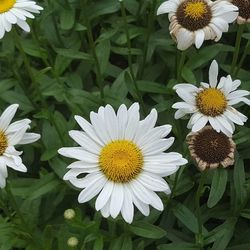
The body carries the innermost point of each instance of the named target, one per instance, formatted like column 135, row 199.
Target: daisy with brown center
column 16, row 12
column 193, row 21
column 212, row 103
column 123, row 161
column 211, row 149
column 11, row 135
column 244, row 10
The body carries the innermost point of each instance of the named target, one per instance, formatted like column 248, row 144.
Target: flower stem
column 27, row 64
column 237, row 47
column 92, row 46
column 148, row 34
column 180, row 65
column 246, row 51
column 199, row 239
column 139, row 96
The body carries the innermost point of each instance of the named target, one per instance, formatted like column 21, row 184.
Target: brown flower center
column 244, row 8
column 194, row 14
column 211, row 147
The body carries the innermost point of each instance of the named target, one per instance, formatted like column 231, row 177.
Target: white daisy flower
column 12, row 134
column 211, row 149
column 212, row 103
column 193, row 21
column 123, row 160
column 16, row 12
column 244, row 10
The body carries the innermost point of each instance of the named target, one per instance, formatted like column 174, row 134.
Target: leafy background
column 76, row 58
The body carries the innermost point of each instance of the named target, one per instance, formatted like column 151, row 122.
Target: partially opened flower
column 211, row 149
column 123, row 161
column 212, row 103
column 193, row 21
column 16, row 12
column 12, row 134
column 244, row 10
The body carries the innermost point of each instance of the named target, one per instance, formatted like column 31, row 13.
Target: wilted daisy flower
column 193, row 21
column 16, row 12
column 244, row 10
column 12, row 134
column 212, row 103
column 123, row 159
column 211, row 149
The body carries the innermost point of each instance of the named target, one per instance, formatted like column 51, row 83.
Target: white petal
column 7, row 116
column 116, row 199
column 91, row 190
column 29, row 138
column 104, row 196
column 213, row 74
column 79, row 154
column 127, row 210
column 200, row 124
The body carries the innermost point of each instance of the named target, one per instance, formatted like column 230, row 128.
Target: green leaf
column 147, row 230
column 153, row 87
column 73, row 54
column 239, row 181
column 187, row 218
column 103, row 54
column 178, row 246
column 245, row 213
column 98, row 245
column 218, row 186
column 222, row 242
column 67, row 19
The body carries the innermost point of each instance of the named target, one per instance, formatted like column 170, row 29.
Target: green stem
column 27, row 65
column 24, row 56
column 148, row 34
column 176, row 178
column 237, row 47
column 130, row 63
column 199, row 239
column 245, row 53
column 180, row 65
column 14, row 205
column 92, row 46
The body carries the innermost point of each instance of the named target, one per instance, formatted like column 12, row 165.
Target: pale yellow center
column 211, row 102
column 6, row 5
column 195, row 10
column 3, row 142
column 121, row 161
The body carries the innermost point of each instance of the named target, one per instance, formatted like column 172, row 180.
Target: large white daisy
column 123, row 160
column 16, row 12
column 193, row 21
column 12, row 134
column 212, row 103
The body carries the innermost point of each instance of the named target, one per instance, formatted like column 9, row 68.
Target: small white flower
column 244, row 10
column 16, row 12
column 123, row 161
column 193, row 21
column 12, row 134
column 212, row 103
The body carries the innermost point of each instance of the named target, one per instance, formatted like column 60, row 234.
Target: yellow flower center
column 3, row 142
column 6, row 5
column 121, row 161
column 211, row 102
column 195, row 10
